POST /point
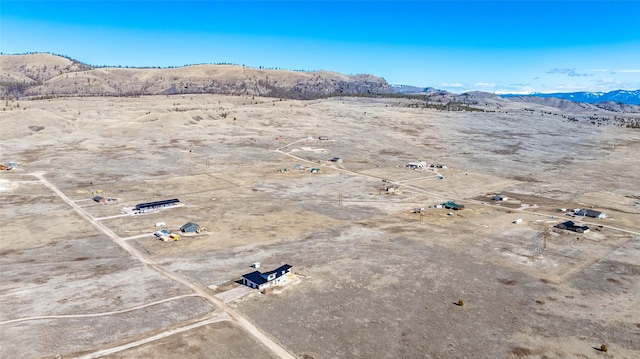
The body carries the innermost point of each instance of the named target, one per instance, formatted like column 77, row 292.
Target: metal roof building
column 190, row 227
column 142, row 207
column 453, row 205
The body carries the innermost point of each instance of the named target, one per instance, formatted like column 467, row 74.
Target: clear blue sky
column 495, row 46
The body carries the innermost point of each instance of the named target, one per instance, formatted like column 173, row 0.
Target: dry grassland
column 373, row 279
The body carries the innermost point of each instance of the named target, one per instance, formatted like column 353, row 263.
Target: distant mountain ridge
column 48, row 75
column 631, row 97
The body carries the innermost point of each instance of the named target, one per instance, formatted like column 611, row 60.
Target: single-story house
column 100, row 199
column 417, row 165
column 591, row 213
column 190, row 227
column 453, row 205
column 259, row 280
column 570, row 226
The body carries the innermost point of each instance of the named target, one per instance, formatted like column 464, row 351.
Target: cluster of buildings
column 573, row 227
column 423, row 165
column 256, row 279
column 448, row 205
column 166, row 235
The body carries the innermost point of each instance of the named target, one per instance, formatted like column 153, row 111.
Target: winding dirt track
column 162, row 335
column 242, row 321
column 103, row 314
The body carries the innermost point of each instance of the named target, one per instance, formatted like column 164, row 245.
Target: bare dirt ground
column 373, row 279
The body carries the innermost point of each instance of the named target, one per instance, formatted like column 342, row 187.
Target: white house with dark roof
column 259, row 280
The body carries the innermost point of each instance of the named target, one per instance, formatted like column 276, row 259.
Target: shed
column 500, row 198
column 100, row 199
column 190, row 227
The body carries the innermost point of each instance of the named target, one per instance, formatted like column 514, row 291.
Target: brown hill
column 52, row 75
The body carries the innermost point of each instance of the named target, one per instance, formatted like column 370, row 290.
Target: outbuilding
column 591, row 213
column 453, row 205
column 144, row 207
column 500, row 198
column 190, row 227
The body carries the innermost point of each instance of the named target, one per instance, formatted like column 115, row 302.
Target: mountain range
column 46, row 75
column 622, row 96
column 629, row 97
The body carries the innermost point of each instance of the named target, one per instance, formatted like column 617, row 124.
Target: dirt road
column 90, row 315
column 243, row 322
column 162, row 335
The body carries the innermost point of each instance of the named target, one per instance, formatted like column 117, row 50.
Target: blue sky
column 495, row 46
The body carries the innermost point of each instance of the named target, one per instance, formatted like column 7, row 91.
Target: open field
column 372, row 278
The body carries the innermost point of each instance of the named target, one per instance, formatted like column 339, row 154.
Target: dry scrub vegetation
column 373, row 279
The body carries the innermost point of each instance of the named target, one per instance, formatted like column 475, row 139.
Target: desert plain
column 371, row 278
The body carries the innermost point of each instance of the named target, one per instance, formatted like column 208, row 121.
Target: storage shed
column 190, row 227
